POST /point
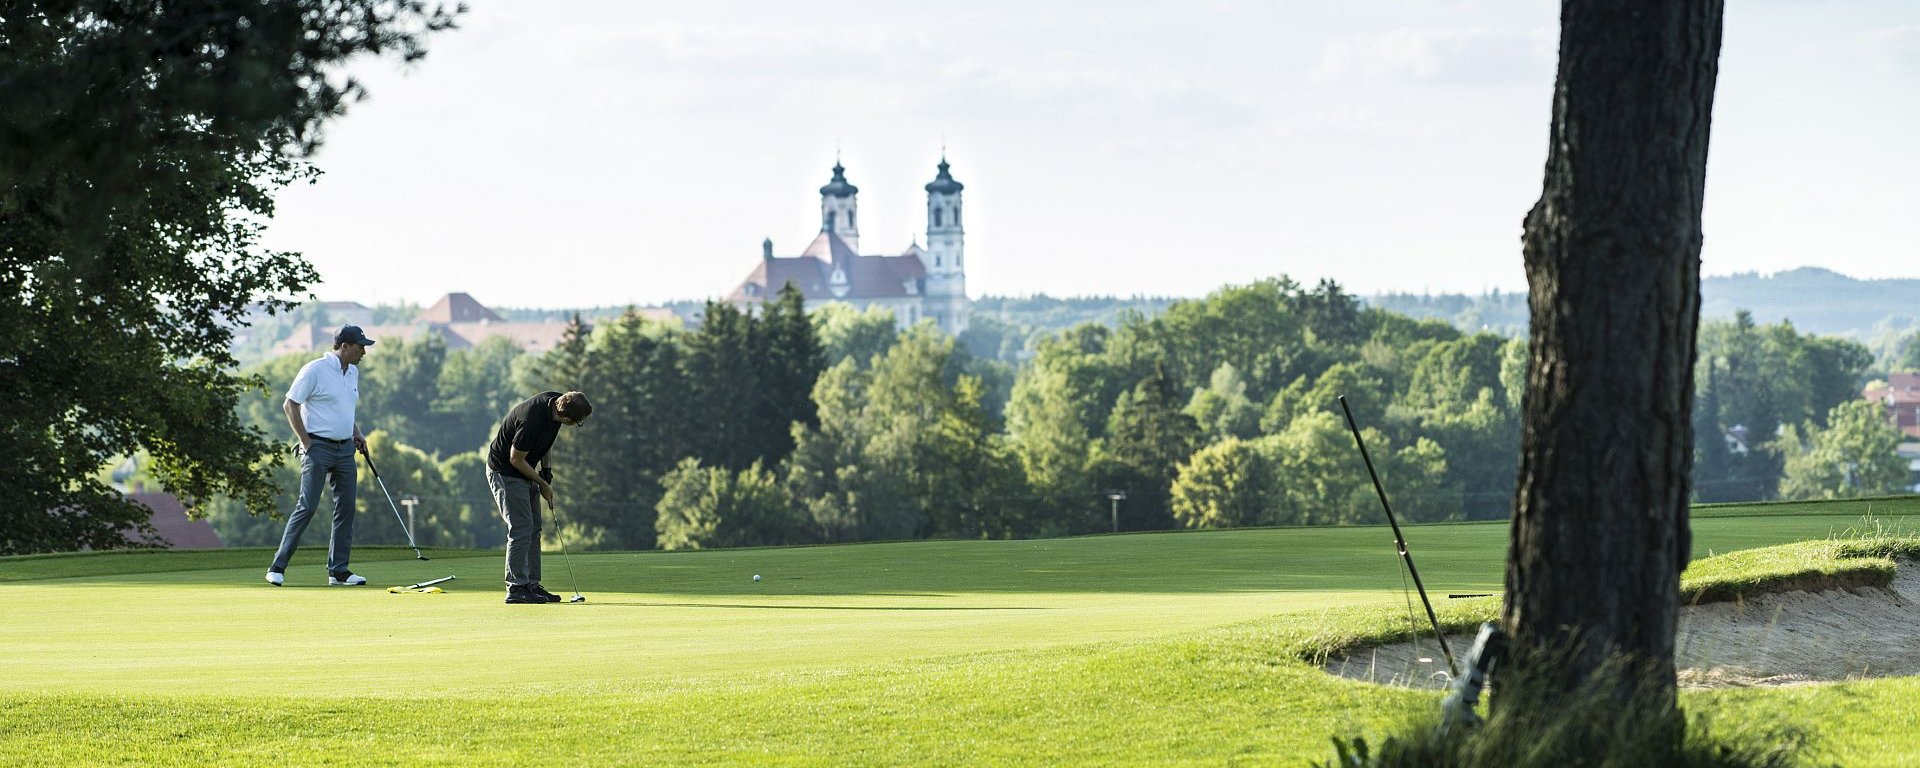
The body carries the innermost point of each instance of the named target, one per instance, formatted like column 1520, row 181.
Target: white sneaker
column 276, row 578
column 352, row 580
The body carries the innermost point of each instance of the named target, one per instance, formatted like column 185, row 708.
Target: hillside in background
column 1815, row 300
column 1877, row 313
column 1502, row 313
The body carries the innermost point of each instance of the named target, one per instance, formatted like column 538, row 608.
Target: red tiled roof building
column 458, row 308
column 919, row 284
column 460, row 321
column 1901, row 396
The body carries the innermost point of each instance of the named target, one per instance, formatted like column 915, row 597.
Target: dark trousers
column 519, row 501
column 324, row 462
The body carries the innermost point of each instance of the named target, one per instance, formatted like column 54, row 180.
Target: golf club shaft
column 559, row 535
column 390, row 505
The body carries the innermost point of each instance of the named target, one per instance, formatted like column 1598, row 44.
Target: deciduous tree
column 1855, row 454
column 140, row 144
column 1147, row 438
column 707, row 507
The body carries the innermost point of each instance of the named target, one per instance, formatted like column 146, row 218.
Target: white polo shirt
column 327, row 396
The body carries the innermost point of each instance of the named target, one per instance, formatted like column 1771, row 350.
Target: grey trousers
column 324, row 462
column 519, row 501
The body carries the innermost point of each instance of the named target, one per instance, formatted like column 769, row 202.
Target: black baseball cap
column 352, row 335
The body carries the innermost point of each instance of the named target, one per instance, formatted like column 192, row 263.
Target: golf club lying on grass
column 423, row 588
column 396, row 507
column 577, row 597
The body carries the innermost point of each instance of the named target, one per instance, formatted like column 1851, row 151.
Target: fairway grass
column 1165, row 649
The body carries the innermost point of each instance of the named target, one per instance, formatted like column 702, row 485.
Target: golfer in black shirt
column 524, row 439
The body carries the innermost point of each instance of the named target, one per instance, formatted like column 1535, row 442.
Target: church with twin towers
column 921, row 283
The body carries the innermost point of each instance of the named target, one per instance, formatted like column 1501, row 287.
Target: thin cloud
column 1437, row 56
column 1895, row 50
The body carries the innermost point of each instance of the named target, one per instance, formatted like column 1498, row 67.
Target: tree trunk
column 1612, row 252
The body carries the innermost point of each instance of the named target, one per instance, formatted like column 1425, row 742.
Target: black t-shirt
column 529, row 426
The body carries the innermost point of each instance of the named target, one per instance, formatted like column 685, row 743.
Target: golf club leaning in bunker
column 390, row 504
column 564, row 555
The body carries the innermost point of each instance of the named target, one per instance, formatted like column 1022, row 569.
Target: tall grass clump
column 1612, row 719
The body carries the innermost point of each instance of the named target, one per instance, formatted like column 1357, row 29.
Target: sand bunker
column 1777, row 639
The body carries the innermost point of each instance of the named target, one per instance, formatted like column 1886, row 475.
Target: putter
column 577, row 597
column 395, row 507
column 422, row 587
column 430, row 583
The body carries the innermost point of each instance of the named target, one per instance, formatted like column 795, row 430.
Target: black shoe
column 521, row 595
column 542, row 591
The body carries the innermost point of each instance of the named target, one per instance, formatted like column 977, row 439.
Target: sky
column 612, row 153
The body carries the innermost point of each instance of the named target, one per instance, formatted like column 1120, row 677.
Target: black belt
column 328, row 439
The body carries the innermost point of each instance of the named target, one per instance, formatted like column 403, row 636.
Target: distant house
column 311, row 336
column 170, row 521
column 1910, row 451
column 304, row 338
column 457, row 308
column 460, row 321
column 1900, row 394
column 1737, row 439
column 341, row 313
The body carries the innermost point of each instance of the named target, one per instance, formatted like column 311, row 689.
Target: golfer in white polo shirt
column 319, row 406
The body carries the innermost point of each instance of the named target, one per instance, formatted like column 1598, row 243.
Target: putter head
column 577, row 598
column 422, row 557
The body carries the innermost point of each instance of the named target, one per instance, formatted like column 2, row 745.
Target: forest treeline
column 790, row 426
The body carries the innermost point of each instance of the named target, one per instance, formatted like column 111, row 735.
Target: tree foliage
column 1050, row 439
column 909, row 441
column 1752, row 382
column 1230, row 483
column 706, row 507
column 846, row 333
column 853, row 488
column 1148, row 436
column 607, row 471
column 139, row 148
column 1222, row 408
column 903, row 450
column 1855, row 454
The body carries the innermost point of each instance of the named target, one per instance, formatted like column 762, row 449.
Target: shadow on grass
column 107, row 566
column 824, row 607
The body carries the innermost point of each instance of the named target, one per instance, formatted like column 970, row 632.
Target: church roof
column 828, row 247
column 867, row 277
column 530, row 337
column 882, row 277
column 806, row 273
column 944, row 182
column 839, row 187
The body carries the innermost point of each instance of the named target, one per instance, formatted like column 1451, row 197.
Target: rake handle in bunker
column 1398, row 539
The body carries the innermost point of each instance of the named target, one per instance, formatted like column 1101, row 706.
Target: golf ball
column 756, row 577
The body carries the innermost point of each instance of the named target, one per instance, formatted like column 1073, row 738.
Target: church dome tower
column 946, row 251
column 839, row 208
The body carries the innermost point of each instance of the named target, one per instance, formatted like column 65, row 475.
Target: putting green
column 657, row 619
